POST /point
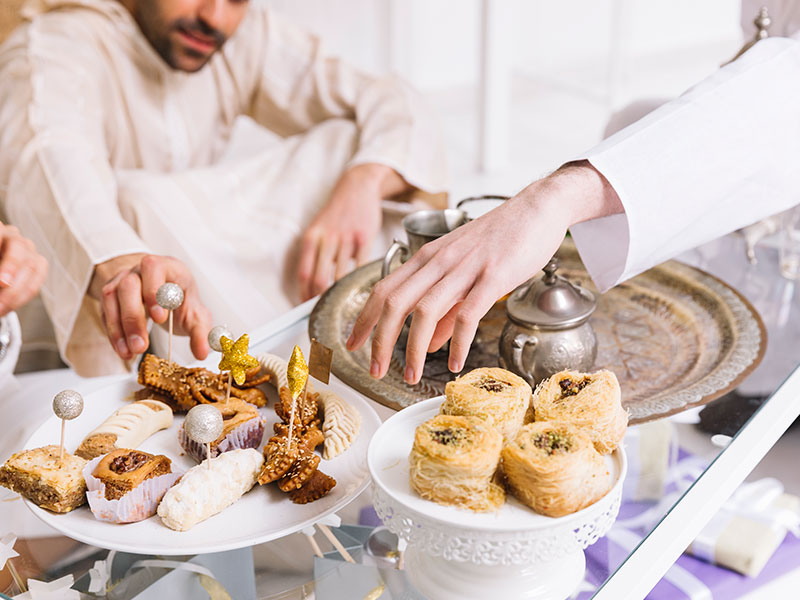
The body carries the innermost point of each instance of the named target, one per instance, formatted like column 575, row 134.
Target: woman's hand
column 452, row 282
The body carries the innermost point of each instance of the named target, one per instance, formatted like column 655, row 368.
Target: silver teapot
column 548, row 327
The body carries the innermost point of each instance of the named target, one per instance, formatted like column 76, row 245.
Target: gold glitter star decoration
column 235, row 357
column 297, row 372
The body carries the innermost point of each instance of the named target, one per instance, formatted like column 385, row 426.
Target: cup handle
column 391, row 253
column 517, row 346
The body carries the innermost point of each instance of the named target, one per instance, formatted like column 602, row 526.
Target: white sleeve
column 723, row 155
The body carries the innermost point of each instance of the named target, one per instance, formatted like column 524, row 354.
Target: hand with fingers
column 341, row 235
column 452, row 282
column 22, row 269
column 126, row 287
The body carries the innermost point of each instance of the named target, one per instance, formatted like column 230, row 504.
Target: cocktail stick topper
column 217, row 332
column 170, row 297
column 297, row 374
column 203, row 424
column 67, row 405
column 236, row 360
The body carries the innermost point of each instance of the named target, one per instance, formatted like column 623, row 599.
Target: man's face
column 186, row 33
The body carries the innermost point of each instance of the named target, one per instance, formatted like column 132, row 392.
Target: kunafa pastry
column 125, row 486
column 554, row 468
column 592, row 401
column 43, row 478
column 242, row 427
column 209, row 488
column 127, row 427
column 453, row 461
column 340, row 425
column 496, row 395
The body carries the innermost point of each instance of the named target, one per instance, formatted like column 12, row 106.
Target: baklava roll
column 453, row 461
column 591, row 401
column 127, row 427
column 554, row 469
column 493, row 394
column 207, row 489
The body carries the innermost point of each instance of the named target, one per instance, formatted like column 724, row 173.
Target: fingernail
column 454, row 366
column 5, row 279
column 136, row 343
column 122, row 347
column 349, row 343
column 409, row 375
column 374, row 368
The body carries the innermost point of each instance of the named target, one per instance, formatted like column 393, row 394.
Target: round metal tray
column 676, row 337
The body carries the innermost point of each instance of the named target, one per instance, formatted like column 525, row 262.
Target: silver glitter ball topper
column 203, row 423
column 215, row 334
column 170, row 296
column 68, row 404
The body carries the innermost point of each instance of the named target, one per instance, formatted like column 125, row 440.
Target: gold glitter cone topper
column 297, row 372
column 235, row 357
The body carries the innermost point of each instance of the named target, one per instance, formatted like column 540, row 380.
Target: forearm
column 378, row 178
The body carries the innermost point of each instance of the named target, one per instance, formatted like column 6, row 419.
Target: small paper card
column 320, row 359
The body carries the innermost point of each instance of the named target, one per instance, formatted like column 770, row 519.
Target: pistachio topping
column 552, row 442
column 490, row 384
column 447, row 436
column 570, row 387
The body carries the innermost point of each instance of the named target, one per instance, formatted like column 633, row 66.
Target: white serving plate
column 263, row 514
column 388, row 463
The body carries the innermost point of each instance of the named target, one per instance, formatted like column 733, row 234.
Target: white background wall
column 571, row 64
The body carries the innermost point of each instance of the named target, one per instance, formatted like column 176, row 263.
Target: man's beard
column 162, row 39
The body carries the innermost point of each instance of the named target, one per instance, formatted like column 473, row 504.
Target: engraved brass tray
column 675, row 336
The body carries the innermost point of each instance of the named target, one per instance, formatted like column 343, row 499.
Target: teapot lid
column 551, row 301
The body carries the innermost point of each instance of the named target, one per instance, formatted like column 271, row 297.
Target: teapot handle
column 517, row 346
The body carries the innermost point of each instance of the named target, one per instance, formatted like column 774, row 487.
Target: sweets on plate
column 591, row 401
column 42, row 478
column 496, row 395
column 127, row 427
column 182, row 388
column 242, row 427
column 209, row 488
column 126, row 485
column 453, row 461
column 554, row 468
column 294, row 465
column 340, row 425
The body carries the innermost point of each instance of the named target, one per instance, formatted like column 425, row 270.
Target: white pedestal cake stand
column 455, row 554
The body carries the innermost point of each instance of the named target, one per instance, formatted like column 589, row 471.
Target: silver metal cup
column 422, row 227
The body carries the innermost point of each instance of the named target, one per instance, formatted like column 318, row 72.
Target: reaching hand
column 344, row 230
column 22, row 269
column 126, row 287
column 452, row 282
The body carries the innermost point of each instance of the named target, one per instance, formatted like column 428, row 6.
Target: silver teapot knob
column 762, row 23
column 550, row 271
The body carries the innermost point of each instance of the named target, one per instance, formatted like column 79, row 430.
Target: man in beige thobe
column 115, row 118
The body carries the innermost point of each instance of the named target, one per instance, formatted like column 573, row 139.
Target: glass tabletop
column 678, row 478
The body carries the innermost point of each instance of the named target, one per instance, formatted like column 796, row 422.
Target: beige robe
column 104, row 151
